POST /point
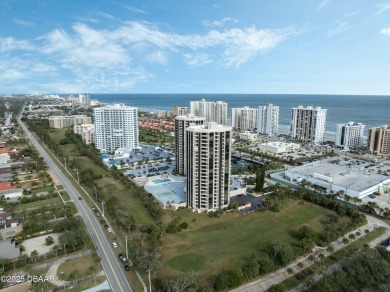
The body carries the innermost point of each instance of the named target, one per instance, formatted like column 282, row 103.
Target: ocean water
column 372, row 111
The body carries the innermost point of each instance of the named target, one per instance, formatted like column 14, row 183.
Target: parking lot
column 145, row 154
column 151, row 169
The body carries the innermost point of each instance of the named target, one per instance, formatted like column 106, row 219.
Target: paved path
column 267, row 281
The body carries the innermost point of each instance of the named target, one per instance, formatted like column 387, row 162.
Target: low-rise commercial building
column 279, row 147
column 355, row 180
column 4, row 158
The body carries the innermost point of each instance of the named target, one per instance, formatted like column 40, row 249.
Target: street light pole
column 65, row 161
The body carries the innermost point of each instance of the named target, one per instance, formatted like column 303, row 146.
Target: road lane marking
column 59, row 173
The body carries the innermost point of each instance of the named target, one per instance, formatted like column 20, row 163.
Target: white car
column 114, row 244
column 109, row 229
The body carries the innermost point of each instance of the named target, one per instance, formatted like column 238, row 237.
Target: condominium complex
column 308, row 124
column 379, row 140
column 180, row 110
column 86, row 131
column 268, row 120
column 212, row 111
column 116, row 126
column 350, row 135
column 181, row 123
column 60, row 122
column 208, row 166
column 244, row 119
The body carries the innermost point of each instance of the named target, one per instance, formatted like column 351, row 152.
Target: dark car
column 102, row 221
column 80, row 198
column 127, row 268
column 106, row 226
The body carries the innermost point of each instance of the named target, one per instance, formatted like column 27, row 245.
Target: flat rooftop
column 167, row 189
column 279, row 144
column 353, row 177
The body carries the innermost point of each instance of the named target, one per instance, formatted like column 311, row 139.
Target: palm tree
column 34, row 255
column 27, row 269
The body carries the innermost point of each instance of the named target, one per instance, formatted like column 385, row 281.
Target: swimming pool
column 160, row 181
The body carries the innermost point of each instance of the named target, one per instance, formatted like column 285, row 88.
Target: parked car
column 109, row 229
column 127, row 268
column 102, row 221
column 114, row 244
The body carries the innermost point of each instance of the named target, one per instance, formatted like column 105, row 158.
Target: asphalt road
column 114, row 272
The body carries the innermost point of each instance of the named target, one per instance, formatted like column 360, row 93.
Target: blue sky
column 227, row 46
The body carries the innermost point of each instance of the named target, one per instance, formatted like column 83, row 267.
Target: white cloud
column 351, row 13
column 9, row 44
column 238, row 45
column 157, row 57
column 89, row 59
column 134, row 9
column 341, row 27
column 25, row 23
column 195, row 60
column 219, row 23
column 382, row 7
column 322, row 4
column 386, row 31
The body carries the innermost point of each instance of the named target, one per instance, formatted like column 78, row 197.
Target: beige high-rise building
column 86, row 131
column 379, row 140
column 208, row 166
column 60, row 122
column 181, row 123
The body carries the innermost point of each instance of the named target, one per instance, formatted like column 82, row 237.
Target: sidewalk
column 267, row 281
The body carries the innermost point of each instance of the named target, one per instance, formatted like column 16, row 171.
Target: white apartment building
column 86, row 131
column 208, row 166
column 308, row 124
column 181, row 110
column 181, row 124
column 245, row 118
column 350, row 135
column 60, row 122
column 116, row 126
column 268, row 120
column 212, row 111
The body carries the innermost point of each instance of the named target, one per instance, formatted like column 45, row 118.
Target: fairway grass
column 187, row 262
column 227, row 242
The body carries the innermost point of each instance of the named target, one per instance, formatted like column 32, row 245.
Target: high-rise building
column 208, row 166
column 212, row 111
column 86, row 131
column 268, row 120
column 116, row 126
column 181, row 124
column 244, row 119
column 350, row 135
column 308, row 124
column 87, row 99
column 379, row 140
column 180, row 110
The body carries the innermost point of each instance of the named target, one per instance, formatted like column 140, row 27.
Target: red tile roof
column 5, row 186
